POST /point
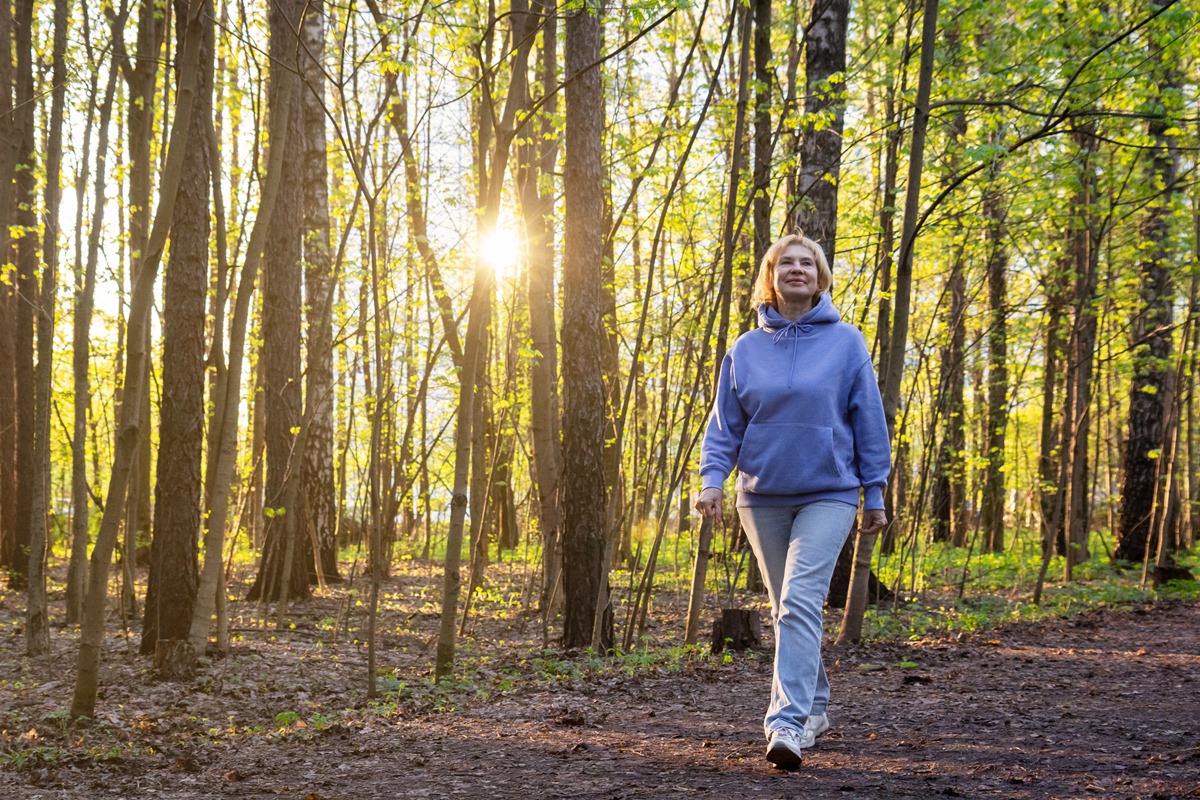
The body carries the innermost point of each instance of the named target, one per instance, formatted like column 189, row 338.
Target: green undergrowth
column 954, row 591
column 942, row 592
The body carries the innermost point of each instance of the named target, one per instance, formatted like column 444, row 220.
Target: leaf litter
column 1106, row 704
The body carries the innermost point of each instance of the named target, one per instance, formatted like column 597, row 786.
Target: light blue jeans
column 797, row 548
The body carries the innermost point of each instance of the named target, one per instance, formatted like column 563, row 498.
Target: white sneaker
column 784, row 749
column 814, row 727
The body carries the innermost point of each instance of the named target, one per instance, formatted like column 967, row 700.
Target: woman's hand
column 873, row 521
column 709, row 502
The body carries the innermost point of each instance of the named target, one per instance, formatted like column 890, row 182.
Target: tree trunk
column 728, row 246
column 223, row 422
column 764, row 78
column 737, row 629
column 141, row 76
column 281, row 327
column 1085, row 253
column 1050, row 495
column 1150, row 425
column 536, row 163
column 884, row 267
column 174, row 549
column 8, row 304
column 816, row 202
column 83, row 702
column 27, row 257
column 37, row 620
column 893, row 370
column 451, row 569
column 950, row 473
column 85, row 290
column 994, row 214
column 584, row 498
column 319, row 509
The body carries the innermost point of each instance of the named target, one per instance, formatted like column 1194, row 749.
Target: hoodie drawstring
column 795, row 328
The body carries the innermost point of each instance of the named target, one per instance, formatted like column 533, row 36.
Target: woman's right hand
column 709, row 502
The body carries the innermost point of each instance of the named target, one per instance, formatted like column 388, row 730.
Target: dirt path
column 1104, row 705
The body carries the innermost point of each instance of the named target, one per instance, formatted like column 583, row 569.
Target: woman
column 798, row 413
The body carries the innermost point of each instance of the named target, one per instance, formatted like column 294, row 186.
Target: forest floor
column 1102, row 704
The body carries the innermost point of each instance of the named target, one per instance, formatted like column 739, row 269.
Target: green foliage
column 33, row 757
column 285, row 719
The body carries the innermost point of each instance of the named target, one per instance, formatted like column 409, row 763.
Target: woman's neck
column 794, row 311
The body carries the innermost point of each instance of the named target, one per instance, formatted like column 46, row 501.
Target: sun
column 501, row 250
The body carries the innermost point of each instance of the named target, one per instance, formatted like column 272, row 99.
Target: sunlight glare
column 501, row 249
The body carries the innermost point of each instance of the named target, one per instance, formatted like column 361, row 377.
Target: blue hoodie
column 798, row 413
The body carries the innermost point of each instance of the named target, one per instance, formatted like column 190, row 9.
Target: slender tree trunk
column 27, row 255
column 884, row 267
column 816, row 202
column 281, row 326
column 37, row 619
column 174, row 549
column 893, row 372
column 994, row 214
column 223, row 422
column 451, row 570
column 728, row 246
column 1150, row 424
column 85, row 290
column 83, row 702
column 480, row 312
column 1084, row 237
column 141, row 76
column 584, row 496
column 319, row 507
column 8, row 303
column 949, row 487
column 537, row 160
column 764, row 78
column 1050, row 494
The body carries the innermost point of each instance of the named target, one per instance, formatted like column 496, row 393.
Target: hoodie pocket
column 788, row 458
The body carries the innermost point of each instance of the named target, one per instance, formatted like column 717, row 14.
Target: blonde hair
column 764, row 284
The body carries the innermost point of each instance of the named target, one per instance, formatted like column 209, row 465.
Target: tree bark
column 85, row 290
column 83, row 702
column 994, row 214
column 816, row 202
column 764, row 78
column 948, row 513
column 37, row 619
column 223, row 422
column 1085, row 254
column 281, row 327
column 319, row 509
column 536, row 162
column 1150, row 424
column 174, row 548
column 584, row 497
column 8, row 303
column 27, row 255
column 728, row 245
column 893, row 369
column 141, row 77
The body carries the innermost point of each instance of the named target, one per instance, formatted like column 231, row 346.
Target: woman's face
column 796, row 277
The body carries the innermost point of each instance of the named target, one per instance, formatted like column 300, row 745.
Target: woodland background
column 293, row 286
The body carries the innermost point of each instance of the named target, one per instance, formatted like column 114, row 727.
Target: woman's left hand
column 873, row 521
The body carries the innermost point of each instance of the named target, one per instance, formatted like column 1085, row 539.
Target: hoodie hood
column 823, row 313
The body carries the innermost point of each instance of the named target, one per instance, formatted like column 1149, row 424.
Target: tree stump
column 175, row 659
column 737, row 629
column 1171, row 572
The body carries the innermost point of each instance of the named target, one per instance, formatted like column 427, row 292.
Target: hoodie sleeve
column 872, row 448
column 726, row 425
